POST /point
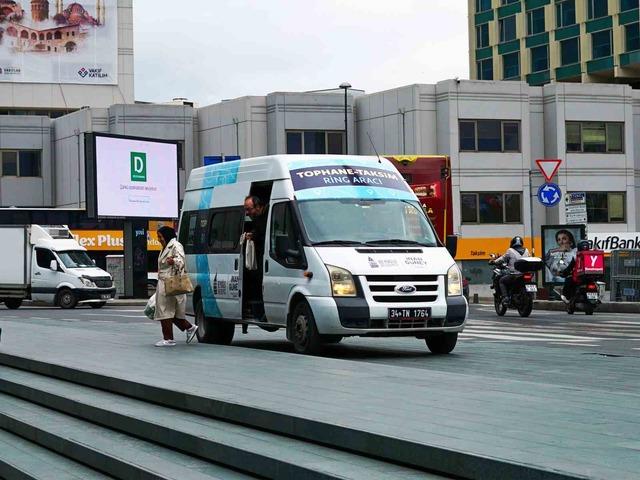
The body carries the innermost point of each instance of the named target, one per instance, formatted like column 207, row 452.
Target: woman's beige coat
column 174, row 306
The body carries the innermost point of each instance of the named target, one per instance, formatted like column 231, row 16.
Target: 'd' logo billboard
column 138, row 167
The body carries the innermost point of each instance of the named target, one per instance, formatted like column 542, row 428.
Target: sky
column 210, row 50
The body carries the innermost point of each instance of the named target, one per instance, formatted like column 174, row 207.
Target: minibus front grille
column 390, row 288
column 388, row 250
column 102, row 282
column 401, row 278
column 405, row 298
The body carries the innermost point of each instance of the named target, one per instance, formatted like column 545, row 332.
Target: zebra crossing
column 553, row 328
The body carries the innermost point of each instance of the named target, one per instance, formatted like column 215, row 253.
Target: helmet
column 583, row 245
column 516, row 242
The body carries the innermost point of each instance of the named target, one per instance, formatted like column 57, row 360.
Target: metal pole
column 533, row 248
column 346, row 131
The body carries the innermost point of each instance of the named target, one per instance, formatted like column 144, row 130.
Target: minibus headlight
column 342, row 284
column 454, row 281
column 87, row 282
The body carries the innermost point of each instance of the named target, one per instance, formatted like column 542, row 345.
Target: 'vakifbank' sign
column 57, row 41
column 614, row 241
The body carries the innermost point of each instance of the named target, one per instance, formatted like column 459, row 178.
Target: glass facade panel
column 628, row 5
column 616, row 207
column 29, row 163
column 614, row 137
column 511, row 136
column 574, row 142
column 507, row 28
column 485, row 69
column 597, row 9
column 632, row 37
column 335, row 143
column 314, row 143
column 512, row 208
column 597, row 207
column 535, row 21
column 570, row 51
column 489, row 136
column 9, row 164
column 294, row 142
column 469, row 210
column 511, row 65
column 482, row 35
column 565, row 13
column 491, row 207
column 467, row 136
column 594, row 137
column 540, row 58
column 482, row 5
column 601, row 44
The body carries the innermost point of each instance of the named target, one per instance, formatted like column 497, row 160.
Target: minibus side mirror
column 283, row 248
column 53, row 266
column 452, row 245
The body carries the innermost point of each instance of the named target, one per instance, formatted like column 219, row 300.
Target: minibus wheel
column 213, row 330
column 13, row 303
column 443, row 343
column 306, row 338
column 66, row 299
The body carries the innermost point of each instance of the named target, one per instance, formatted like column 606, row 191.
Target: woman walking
column 171, row 309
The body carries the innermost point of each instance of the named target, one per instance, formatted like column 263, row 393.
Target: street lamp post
column 345, row 86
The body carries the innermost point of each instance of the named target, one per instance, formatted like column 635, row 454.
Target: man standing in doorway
column 256, row 209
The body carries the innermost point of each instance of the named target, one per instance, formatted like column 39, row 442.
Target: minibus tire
column 443, row 343
column 304, row 332
column 66, row 299
column 212, row 330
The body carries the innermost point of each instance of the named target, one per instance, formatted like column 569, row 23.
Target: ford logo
column 405, row 289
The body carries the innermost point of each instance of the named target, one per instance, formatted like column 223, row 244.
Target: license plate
column 592, row 295
column 409, row 313
column 531, row 288
column 105, row 296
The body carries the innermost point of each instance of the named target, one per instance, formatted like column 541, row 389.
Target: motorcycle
column 522, row 291
column 585, row 298
column 587, row 271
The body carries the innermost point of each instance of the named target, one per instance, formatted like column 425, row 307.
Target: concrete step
column 24, row 460
column 253, row 451
column 102, row 449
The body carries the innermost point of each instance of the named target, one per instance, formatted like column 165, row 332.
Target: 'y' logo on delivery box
column 138, row 167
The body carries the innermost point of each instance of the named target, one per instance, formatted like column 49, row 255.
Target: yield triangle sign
column 549, row 168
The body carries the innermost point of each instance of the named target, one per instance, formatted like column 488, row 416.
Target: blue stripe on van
column 220, row 174
column 203, row 277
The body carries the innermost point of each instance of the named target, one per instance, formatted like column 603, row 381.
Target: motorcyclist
column 569, row 286
column 515, row 252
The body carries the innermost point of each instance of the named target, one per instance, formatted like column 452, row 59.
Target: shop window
column 597, row 9
column 489, row 136
column 601, row 44
column 535, row 21
column 565, row 13
column 570, row 51
column 315, row 142
column 507, row 27
column 606, row 207
column 491, row 207
column 485, row 69
column 511, row 65
column 540, row 58
column 632, row 37
column 595, row 137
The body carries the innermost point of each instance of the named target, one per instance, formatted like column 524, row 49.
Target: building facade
column 540, row 41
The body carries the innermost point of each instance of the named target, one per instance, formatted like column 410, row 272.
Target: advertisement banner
column 559, row 244
column 110, row 240
column 56, row 41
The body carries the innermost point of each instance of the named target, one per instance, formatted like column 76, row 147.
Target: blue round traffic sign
column 549, row 194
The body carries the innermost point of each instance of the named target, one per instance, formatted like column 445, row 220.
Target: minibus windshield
column 373, row 222
column 76, row 259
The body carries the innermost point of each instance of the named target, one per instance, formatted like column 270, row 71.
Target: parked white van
column 348, row 251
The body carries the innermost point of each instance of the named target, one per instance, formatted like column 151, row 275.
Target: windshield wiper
column 392, row 241
column 337, row 242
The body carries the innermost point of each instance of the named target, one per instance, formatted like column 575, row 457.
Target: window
column 535, row 21
column 511, row 65
column 597, row 9
column 601, row 44
column 320, row 142
column 606, row 207
column 188, row 226
column 632, row 37
column 570, row 51
column 489, row 136
column 482, row 35
column 626, row 5
column 507, row 28
column 595, row 137
column 507, row 2
column 540, row 58
column 485, row 69
column 482, row 5
column 283, row 224
column 565, row 13
column 44, row 257
column 491, row 207
column 21, row 163
column 226, row 229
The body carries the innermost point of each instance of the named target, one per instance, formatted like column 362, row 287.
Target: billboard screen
column 135, row 178
column 57, row 41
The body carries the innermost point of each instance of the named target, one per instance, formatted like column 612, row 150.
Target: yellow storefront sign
column 481, row 248
column 110, row 240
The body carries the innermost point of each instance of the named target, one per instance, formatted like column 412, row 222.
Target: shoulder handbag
column 177, row 284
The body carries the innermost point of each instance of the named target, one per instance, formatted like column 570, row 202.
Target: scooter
column 585, row 298
column 522, row 291
column 586, row 271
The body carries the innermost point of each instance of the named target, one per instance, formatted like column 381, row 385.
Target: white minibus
column 347, row 251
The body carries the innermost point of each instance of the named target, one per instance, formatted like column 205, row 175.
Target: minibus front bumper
column 355, row 316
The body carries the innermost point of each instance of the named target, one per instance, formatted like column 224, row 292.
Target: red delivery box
column 589, row 262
